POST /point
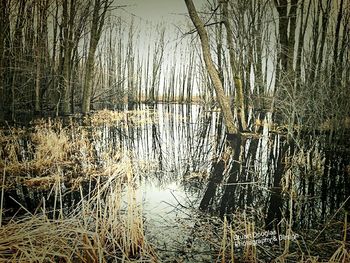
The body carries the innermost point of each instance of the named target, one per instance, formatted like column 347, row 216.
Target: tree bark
column 158, row 54
column 282, row 8
column 212, row 71
column 41, row 51
column 336, row 68
column 66, row 58
column 4, row 56
column 291, row 39
column 240, row 104
column 302, row 30
column 325, row 10
column 96, row 30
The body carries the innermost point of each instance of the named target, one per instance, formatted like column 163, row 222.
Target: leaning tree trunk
column 212, row 71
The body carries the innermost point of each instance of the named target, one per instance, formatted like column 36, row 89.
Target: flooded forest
column 174, row 131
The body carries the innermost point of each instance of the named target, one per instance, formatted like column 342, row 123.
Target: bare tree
column 41, row 50
column 239, row 101
column 158, row 54
column 212, row 71
column 5, row 33
column 97, row 22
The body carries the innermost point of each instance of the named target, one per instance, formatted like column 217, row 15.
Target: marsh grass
column 132, row 117
column 240, row 243
column 106, row 225
column 342, row 254
column 99, row 230
column 240, row 239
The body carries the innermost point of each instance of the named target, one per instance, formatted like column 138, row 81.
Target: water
column 187, row 175
column 276, row 179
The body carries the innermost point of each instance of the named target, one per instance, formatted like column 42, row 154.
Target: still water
column 278, row 180
column 188, row 180
column 177, row 147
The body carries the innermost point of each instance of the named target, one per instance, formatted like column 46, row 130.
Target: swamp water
column 200, row 205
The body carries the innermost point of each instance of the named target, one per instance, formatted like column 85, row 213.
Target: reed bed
column 131, row 117
column 106, row 225
column 242, row 242
column 100, row 229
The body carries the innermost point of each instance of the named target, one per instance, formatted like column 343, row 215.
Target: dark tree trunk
column 97, row 23
column 216, row 178
column 274, row 210
column 5, row 39
column 228, row 202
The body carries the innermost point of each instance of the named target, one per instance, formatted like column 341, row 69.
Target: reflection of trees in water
column 170, row 141
column 305, row 180
column 183, row 141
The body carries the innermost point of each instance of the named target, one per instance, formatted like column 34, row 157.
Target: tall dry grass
column 242, row 242
column 105, row 226
column 100, row 229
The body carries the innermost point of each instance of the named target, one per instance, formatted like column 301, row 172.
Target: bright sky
column 159, row 10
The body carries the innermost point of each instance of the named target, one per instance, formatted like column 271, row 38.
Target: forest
column 227, row 128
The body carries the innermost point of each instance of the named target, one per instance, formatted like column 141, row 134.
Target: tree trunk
column 282, row 7
column 324, row 27
column 4, row 53
column 158, row 54
column 66, row 58
column 89, row 76
column 41, row 51
column 336, row 71
column 240, row 104
column 96, row 30
column 292, row 16
column 302, row 30
column 212, row 71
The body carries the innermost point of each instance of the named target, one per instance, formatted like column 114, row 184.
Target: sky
column 159, row 10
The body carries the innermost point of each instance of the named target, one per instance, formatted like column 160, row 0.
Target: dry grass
column 242, row 242
column 26, row 152
column 342, row 254
column 38, row 239
column 52, row 143
column 100, row 229
column 227, row 251
column 126, row 118
column 105, row 226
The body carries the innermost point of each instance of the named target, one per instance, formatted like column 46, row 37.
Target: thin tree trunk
column 156, row 67
column 302, row 30
column 212, row 71
column 335, row 69
column 240, row 104
column 324, row 26
column 291, row 39
column 315, row 36
column 282, row 7
column 4, row 56
column 96, row 30
column 41, row 51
